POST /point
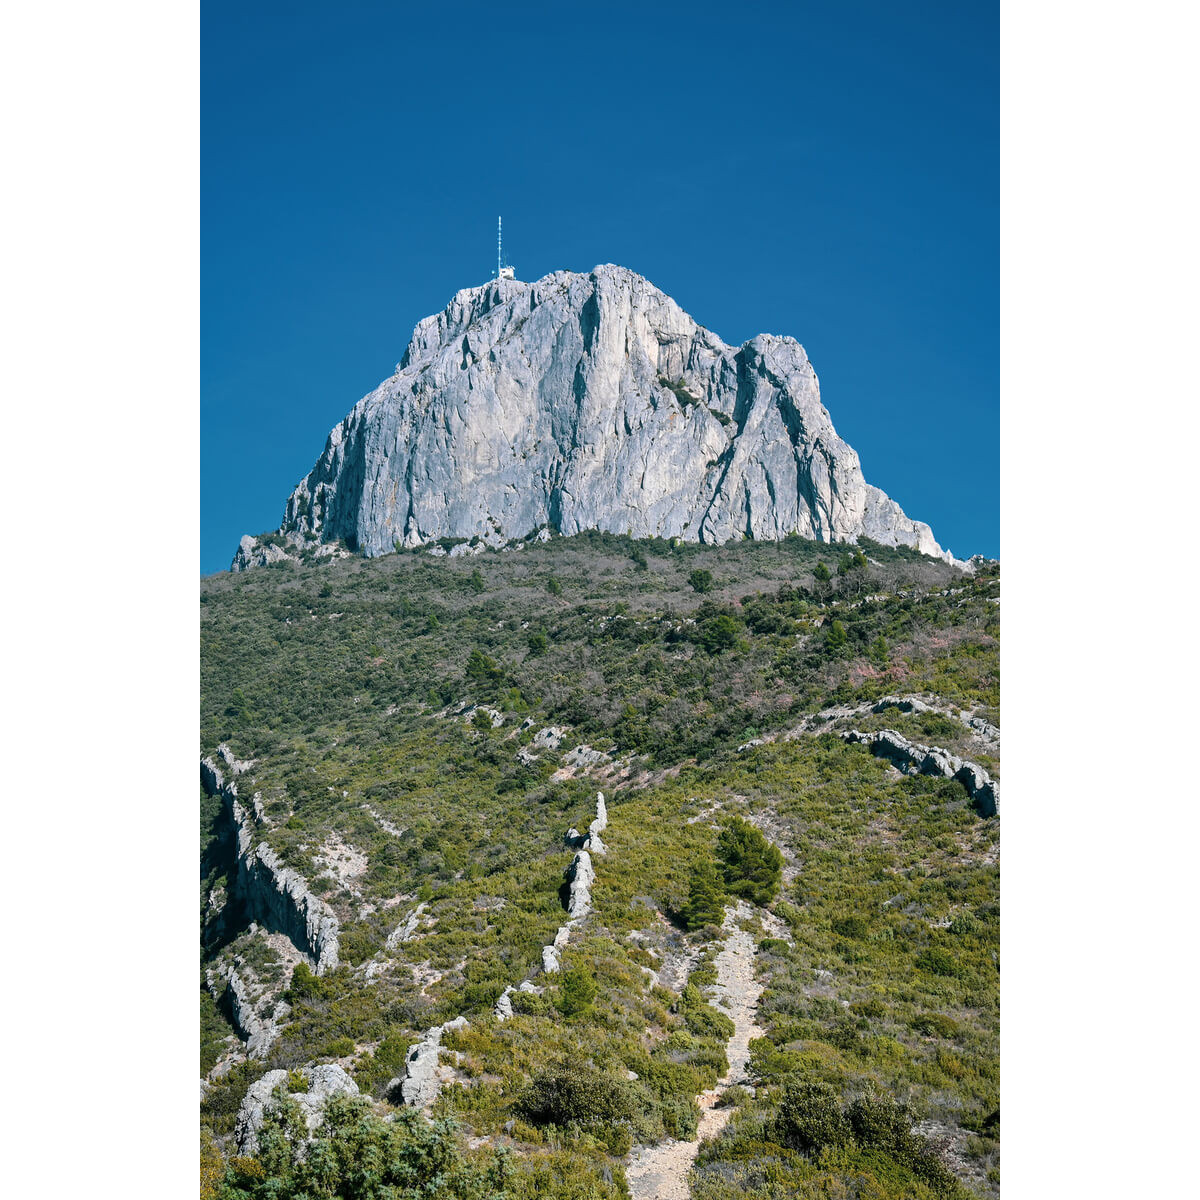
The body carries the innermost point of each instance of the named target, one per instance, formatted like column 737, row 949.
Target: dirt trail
column 660, row 1172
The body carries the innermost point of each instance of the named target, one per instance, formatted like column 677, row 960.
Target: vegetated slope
column 421, row 732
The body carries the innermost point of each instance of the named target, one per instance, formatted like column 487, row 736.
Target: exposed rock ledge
column 915, row 759
column 274, row 895
column 258, row 1031
column 323, row 1082
column 421, row 1084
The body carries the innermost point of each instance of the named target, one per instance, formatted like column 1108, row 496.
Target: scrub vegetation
column 414, row 724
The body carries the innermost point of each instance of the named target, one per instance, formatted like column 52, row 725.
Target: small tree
column 751, row 865
column 476, row 581
column 821, row 573
column 706, row 897
column 538, row 644
column 576, row 992
column 719, row 633
column 553, row 586
column 836, row 636
column 701, row 580
column 878, row 652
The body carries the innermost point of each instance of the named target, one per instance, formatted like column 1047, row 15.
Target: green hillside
column 421, row 733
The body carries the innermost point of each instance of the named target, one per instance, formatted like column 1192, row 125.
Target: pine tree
column 706, row 897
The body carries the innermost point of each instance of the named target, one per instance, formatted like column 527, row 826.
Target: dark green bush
column 574, row 1092
column 811, row 1118
column 937, row 961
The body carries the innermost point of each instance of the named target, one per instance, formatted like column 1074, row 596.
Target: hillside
column 412, row 899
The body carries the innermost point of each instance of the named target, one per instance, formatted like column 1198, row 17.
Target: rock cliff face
column 586, row 401
column 275, row 896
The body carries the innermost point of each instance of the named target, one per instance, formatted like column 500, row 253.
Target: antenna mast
column 502, row 272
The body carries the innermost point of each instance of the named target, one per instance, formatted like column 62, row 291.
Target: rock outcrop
column 584, row 401
column 421, row 1083
column 323, row 1082
column 580, row 875
column 258, row 1029
column 275, row 896
column 915, row 759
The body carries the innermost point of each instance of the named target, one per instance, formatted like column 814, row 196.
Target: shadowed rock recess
column 585, row 401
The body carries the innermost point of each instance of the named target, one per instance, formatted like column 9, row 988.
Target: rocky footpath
column 584, row 401
column 660, row 1172
column 275, row 896
column 915, row 759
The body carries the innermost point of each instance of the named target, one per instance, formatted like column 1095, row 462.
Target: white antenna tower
column 502, row 272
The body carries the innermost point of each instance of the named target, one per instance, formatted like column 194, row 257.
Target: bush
column 701, row 580
column 358, row 1155
column 935, row 1025
column 576, row 993
column 573, row 1092
column 810, row 1118
column 937, row 961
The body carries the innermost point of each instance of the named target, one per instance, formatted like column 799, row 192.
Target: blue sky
column 826, row 171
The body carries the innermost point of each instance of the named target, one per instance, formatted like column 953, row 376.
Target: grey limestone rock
column 323, row 1082
column 585, row 401
column 257, row 1028
column 916, row 759
column 275, row 896
column 421, row 1083
column 581, row 875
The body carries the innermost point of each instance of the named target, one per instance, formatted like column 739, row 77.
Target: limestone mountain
column 585, row 401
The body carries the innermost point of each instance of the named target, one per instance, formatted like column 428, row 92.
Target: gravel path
column 661, row 1172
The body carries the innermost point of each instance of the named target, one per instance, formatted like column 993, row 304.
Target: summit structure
column 586, row 401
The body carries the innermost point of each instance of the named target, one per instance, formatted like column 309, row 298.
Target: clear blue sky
column 828, row 171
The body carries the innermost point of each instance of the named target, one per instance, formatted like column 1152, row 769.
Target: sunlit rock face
column 589, row 401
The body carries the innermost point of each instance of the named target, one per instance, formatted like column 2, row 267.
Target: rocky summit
column 585, row 401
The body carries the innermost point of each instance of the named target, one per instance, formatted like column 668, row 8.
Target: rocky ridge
column 584, row 401
column 275, row 896
column 916, row 759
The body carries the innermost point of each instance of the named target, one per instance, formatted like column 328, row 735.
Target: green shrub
column 358, row 1155
column 810, row 1118
column 574, row 1092
column 935, row 1025
column 701, row 580
column 937, row 961
column 576, row 992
